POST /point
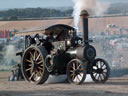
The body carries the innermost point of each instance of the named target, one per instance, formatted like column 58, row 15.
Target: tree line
column 15, row 14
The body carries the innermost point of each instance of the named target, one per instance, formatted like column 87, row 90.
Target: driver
column 51, row 37
column 48, row 45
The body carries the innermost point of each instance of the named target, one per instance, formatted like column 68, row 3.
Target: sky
column 6, row 4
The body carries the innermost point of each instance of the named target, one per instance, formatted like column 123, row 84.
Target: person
column 63, row 35
column 16, row 74
column 48, row 45
column 12, row 77
column 51, row 37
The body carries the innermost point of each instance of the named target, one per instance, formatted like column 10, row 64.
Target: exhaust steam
column 95, row 7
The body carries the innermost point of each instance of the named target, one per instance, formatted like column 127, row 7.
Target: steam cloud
column 10, row 55
column 93, row 6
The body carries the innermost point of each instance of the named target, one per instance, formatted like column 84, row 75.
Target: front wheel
column 76, row 71
column 100, row 71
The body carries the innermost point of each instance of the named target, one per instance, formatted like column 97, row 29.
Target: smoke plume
column 93, row 6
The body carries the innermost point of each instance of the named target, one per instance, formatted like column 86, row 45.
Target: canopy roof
column 55, row 29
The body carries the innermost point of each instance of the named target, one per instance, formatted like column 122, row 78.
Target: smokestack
column 84, row 19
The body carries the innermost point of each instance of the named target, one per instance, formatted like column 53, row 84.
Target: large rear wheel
column 33, row 66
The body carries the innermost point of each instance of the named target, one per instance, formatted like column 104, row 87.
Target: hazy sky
column 5, row 4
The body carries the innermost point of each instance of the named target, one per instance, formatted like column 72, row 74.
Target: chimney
column 84, row 19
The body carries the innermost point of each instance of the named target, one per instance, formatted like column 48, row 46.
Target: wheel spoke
column 31, row 55
column 71, row 67
column 79, row 66
column 104, row 70
column 30, row 65
column 104, row 73
column 74, row 66
column 40, row 68
column 38, row 57
column 102, row 76
column 41, row 65
column 40, row 62
column 34, row 57
column 28, row 69
column 99, row 64
column 31, row 76
column 96, row 75
column 73, row 76
column 36, row 53
column 71, row 71
column 78, row 78
column 35, row 76
column 99, row 77
column 102, row 65
column 94, row 70
column 29, row 61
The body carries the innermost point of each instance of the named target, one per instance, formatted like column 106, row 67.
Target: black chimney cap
column 84, row 13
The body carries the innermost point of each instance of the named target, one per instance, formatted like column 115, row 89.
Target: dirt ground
column 114, row 87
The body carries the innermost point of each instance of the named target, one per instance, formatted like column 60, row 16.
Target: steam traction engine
column 62, row 52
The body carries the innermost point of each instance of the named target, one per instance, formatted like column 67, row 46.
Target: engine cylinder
column 88, row 52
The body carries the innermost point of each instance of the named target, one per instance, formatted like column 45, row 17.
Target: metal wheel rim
column 100, row 71
column 76, row 72
column 33, row 65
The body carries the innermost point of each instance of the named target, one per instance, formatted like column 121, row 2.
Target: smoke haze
column 10, row 55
